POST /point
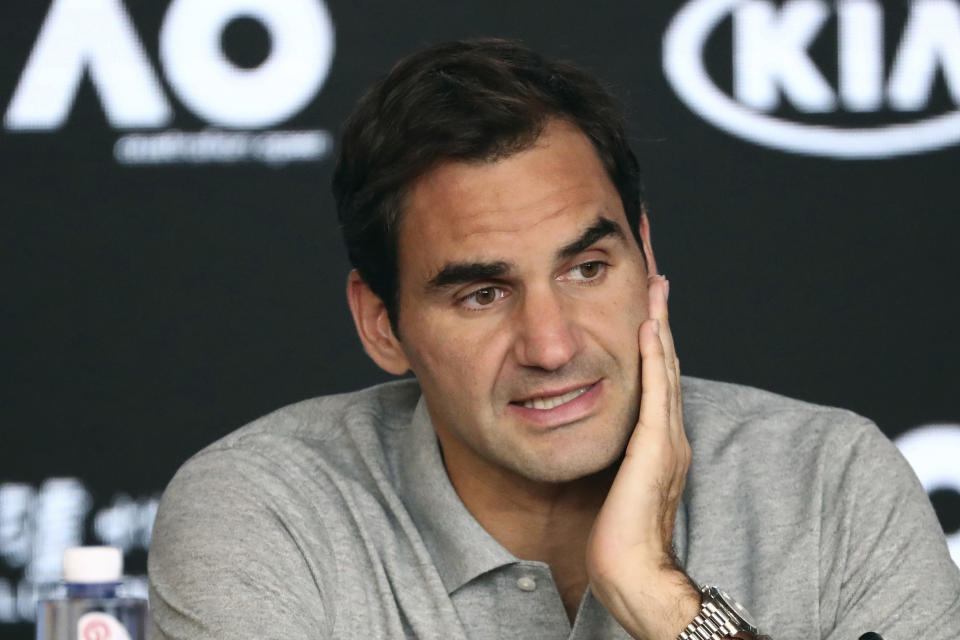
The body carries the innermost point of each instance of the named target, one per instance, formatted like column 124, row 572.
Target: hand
column 629, row 559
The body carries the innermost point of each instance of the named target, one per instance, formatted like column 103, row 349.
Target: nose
column 547, row 337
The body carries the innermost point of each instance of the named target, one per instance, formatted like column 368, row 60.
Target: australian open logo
column 240, row 102
column 843, row 79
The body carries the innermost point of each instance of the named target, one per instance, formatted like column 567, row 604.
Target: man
column 547, row 473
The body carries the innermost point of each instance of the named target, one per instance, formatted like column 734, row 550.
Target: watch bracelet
column 710, row 624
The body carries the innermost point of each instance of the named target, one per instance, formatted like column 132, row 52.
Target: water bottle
column 90, row 603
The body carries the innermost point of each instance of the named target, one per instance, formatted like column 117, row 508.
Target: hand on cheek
column 629, row 557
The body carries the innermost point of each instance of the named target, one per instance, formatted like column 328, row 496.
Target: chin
column 586, row 461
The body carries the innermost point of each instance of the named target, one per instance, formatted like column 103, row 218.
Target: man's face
column 521, row 293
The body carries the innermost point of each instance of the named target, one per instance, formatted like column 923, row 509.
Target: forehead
column 485, row 210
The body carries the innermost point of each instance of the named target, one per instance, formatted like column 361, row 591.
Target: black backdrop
column 151, row 306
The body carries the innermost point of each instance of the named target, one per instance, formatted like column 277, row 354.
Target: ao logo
column 932, row 450
column 97, row 37
column 770, row 57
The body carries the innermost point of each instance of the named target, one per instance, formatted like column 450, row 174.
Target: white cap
column 92, row 564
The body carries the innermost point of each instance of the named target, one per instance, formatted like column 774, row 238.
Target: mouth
column 557, row 407
column 552, row 401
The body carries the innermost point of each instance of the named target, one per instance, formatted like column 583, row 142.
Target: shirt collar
column 461, row 548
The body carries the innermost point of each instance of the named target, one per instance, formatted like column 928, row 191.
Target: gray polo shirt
column 334, row 518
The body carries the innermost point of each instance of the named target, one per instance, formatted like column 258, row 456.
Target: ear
column 373, row 326
column 647, row 244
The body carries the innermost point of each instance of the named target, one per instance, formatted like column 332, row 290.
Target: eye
column 587, row 271
column 483, row 297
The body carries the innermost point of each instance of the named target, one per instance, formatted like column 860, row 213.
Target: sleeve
column 884, row 561
column 228, row 558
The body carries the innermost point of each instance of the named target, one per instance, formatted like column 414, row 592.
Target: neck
column 540, row 521
column 533, row 520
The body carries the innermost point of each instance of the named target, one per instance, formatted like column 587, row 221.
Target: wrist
column 651, row 605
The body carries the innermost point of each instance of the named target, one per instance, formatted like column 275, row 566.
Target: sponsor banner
column 98, row 39
column 772, row 64
column 933, row 451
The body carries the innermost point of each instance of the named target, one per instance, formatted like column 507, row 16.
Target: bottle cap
column 92, row 564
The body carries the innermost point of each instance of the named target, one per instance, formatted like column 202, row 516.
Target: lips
column 546, row 402
column 553, row 408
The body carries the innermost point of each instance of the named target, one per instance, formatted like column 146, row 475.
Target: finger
column 658, row 292
column 681, row 446
column 655, row 387
column 659, row 289
column 641, row 503
column 648, row 480
column 645, row 474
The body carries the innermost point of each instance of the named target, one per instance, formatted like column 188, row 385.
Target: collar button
column 526, row 583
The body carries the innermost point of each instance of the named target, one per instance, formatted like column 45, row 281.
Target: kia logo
column 772, row 63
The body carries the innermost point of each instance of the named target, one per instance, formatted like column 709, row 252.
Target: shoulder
column 331, row 427
column 389, row 405
column 266, row 513
column 804, row 509
column 298, row 459
column 764, row 445
column 727, row 401
column 721, row 415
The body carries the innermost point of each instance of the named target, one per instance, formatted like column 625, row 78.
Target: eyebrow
column 456, row 273
column 601, row 228
column 460, row 272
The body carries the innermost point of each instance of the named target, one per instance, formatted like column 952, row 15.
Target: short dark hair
column 480, row 99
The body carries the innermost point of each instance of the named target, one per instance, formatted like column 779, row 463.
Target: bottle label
column 100, row 626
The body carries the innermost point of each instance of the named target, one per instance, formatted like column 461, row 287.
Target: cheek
column 626, row 306
column 636, row 302
column 616, row 318
column 455, row 359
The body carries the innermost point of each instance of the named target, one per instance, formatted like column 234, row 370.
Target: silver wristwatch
column 720, row 617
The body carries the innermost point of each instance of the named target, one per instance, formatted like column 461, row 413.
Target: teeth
column 555, row 401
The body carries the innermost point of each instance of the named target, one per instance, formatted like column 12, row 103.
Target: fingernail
column 656, row 327
column 666, row 289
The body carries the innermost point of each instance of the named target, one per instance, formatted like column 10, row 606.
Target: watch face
column 736, row 607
